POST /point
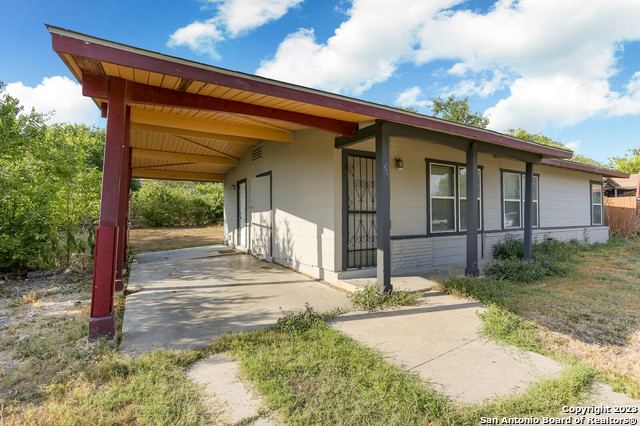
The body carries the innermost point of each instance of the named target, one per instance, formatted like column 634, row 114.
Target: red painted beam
column 163, row 64
column 97, row 86
column 102, row 322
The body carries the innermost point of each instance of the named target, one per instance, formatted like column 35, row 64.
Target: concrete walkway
column 190, row 297
column 438, row 339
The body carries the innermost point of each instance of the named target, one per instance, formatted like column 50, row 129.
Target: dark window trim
column 591, row 183
column 428, row 162
column 270, row 208
column 522, row 174
column 238, row 210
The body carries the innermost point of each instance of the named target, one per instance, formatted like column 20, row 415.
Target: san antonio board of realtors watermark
column 592, row 415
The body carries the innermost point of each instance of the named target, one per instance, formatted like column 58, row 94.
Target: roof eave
column 584, row 168
column 71, row 42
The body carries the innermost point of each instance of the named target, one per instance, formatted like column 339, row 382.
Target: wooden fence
column 622, row 215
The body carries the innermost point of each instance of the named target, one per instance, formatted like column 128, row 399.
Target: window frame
column 459, row 199
column 591, row 203
column 521, row 201
column 456, row 198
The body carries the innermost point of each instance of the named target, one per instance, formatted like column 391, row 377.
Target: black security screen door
column 361, row 211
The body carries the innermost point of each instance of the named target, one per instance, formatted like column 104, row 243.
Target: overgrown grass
column 504, row 326
column 370, row 298
column 320, row 376
column 580, row 315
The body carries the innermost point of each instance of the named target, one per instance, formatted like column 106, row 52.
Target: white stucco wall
column 303, row 200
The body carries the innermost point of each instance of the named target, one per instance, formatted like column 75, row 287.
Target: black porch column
column 528, row 205
column 472, row 210
column 383, row 208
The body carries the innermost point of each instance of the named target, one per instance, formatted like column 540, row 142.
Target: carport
column 173, row 119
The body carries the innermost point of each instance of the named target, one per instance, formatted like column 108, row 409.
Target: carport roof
column 192, row 121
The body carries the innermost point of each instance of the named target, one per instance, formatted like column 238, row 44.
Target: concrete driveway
column 189, row 297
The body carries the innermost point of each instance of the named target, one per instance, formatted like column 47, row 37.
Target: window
column 596, row 203
column 513, row 200
column 448, row 198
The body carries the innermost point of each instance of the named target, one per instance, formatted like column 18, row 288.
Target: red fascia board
column 97, row 86
column 74, row 46
column 584, row 168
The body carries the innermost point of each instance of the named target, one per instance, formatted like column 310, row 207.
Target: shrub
column 167, row 203
column 546, row 256
column 549, row 249
column 299, row 322
column 516, row 270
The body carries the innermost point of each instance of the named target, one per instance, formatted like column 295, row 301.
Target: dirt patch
column 157, row 239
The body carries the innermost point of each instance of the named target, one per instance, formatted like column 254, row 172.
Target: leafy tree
column 458, row 110
column 540, row 138
column 50, row 188
column 629, row 163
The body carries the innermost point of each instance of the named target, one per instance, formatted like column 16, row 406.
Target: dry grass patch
column 158, row 239
column 51, row 374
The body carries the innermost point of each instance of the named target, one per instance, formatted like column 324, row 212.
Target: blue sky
column 569, row 68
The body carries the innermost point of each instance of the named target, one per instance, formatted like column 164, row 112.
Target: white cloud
column 233, row 18
column 412, row 97
column 630, row 102
column 574, row 145
column 57, row 94
column 558, row 57
column 240, row 16
column 198, row 36
column 555, row 57
column 558, row 100
column 365, row 49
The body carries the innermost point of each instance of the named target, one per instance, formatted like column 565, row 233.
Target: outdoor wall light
column 399, row 163
column 233, row 187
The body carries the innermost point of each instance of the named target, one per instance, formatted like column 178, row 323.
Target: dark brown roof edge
column 584, row 167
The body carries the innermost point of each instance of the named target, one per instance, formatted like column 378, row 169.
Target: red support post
column 123, row 202
column 102, row 322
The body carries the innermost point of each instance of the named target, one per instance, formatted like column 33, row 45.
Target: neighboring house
column 622, row 204
column 331, row 186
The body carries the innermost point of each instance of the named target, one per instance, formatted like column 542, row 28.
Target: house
column 331, row 186
column 622, row 204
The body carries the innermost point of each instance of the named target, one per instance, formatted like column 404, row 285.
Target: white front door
column 242, row 214
column 261, row 217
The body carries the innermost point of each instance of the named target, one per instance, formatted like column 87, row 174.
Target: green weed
column 370, row 298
